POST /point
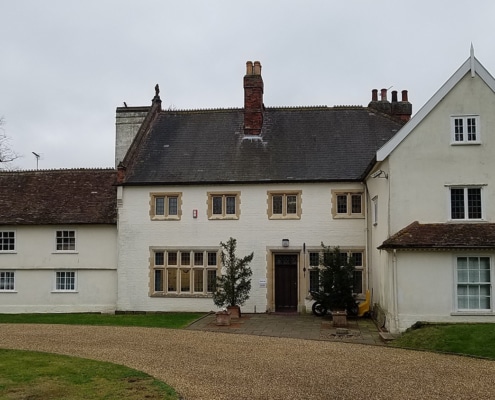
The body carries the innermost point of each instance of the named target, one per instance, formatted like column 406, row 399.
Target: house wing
column 47, row 197
column 472, row 66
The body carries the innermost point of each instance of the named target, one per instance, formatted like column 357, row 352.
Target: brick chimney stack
column 399, row 109
column 253, row 99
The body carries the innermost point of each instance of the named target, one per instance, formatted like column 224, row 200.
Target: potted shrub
column 234, row 284
column 337, row 279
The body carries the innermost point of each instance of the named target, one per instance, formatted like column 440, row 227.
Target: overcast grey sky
column 66, row 65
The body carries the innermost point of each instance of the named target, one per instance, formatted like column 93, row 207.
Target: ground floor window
column 314, row 270
column 7, row 281
column 473, row 283
column 184, row 271
column 65, row 281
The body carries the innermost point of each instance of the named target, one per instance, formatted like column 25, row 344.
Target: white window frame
column 58, row 288
column 466, row 189
column 4, row 278
column 6, row 239
column 57, row 237
column 470, row 282
column 455, row 140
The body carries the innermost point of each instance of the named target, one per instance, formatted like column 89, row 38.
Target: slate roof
column 296, row 145
column 46, row 197
column 443, row 236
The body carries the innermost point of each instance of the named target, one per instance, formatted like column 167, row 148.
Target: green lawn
column 37, row 376
column 162, row 320
column 469, row 339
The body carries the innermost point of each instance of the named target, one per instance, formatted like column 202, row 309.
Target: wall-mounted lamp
column 285, row 242
column 195, row 213
column 379, row 174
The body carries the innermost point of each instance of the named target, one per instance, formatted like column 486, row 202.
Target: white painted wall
column 253, row 231
column 35, row 262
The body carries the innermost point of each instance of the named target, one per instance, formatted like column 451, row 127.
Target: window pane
column 66, row 240
column 158, row 280
column 172, row 206
column 159, row 260
column 342, row 204
column 212, row 258
column 314, row 280
column 185, row 283
column 358, row 281
column 356, row 203
column 277, row 204
column 198, row 258
column 212, row 280
column 230, row 204
column 185, row 258
column 7, row 241
column 159, row 206
column 172, row 258
column 473, row 290
column 217, row 205
column 65, row 280
column 471, row 128
column 474, row 203
column 358, row 259
column 7, row 280
column 458, row 130
column 457, row 203
column 314, row 259
column 172, row 280
column 198, row 280
column 291, row 204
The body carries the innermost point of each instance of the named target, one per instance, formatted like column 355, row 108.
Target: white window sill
column 465, row 143
column 64, row 291
column 8, row 291
column 8, row 252
column 473, row 313
column 65, row 252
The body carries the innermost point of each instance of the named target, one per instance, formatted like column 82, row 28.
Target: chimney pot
column 249, row 68
column 374, row 95
column 394, row 96
column 257, row 68
column 404, row 95
column 383, row 95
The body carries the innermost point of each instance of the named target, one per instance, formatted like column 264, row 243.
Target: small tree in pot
column 233, row 286
column 337, row 281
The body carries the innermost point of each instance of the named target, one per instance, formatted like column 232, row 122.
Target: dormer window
column 465, row 129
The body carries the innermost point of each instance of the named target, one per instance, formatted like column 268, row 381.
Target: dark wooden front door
column 286, row 282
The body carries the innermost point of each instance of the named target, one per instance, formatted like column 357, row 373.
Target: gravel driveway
column 206, row 365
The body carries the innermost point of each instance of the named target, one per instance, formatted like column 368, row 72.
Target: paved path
column 211, row 365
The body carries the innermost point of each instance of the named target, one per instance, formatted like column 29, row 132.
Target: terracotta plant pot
column 235, row 312
column 339, row 318
column 223, row 318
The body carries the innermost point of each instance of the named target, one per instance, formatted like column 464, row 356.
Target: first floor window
column 66, row 240
column 347, row 205
column 284, row 205
column 465, row 203
column 65, row 281
column 7, row 280
column 184, row 271
column 7, row 241
column 473, row 283
column 223, row 205
column 165, row 206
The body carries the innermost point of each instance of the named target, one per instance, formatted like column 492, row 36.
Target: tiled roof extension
column 67, row 196
column 443, row 236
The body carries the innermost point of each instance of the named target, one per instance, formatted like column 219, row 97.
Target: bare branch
column 7, row 154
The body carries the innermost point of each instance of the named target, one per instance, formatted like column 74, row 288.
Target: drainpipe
column 395, row 291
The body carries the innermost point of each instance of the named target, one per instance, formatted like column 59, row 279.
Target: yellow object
column 364, row 306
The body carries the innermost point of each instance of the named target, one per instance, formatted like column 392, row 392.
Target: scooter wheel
column 318, row 309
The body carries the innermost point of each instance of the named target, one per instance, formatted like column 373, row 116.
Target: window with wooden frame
column 165, row 206
column 465, row 129
column 347, row 204
column 186, row 272
column 223, row 205
column 284, row 204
